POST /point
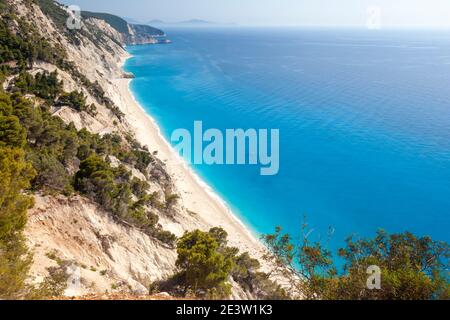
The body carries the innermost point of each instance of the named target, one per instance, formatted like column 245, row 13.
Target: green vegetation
column 147, row 30
column 43, row 85
column 11, row 132
column 77, row 100
column 39, row 152
column 15, row 174
column 47, row 86
column 206, row 265
column 113, row 189
column 204, row 269
column 58, row 150
column 26, row 46
column 411, row 268
column 114, row 21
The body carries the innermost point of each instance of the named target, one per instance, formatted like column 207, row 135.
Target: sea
column 363, row 118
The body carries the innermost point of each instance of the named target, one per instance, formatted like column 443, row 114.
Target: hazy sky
column 393, row 13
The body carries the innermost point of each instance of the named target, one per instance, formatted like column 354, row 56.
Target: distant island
column 158, row 23
column 198, row 23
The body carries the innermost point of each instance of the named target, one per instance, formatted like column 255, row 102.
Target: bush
column 74, row 99
column 113, row 188
column 51, row 174
column 411, row 268
column 164, row 236
column 206, row 264
column 203, row 269
column 15, row 261
column 44, row 85
column 139, row 187
column 11, row 132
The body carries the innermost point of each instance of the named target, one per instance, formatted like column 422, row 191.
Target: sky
column 386, row 13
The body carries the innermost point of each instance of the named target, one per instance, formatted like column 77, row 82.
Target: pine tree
column 204, row 270
column 15, row 176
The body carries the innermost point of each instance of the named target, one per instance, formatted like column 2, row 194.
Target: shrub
column 164, row 236
column 139, row 187
column 203, row 269
column 74, row 99
column 11, row 132
column 15, row 176
column 44, row 85
column 113, row 188
column 51, row 174
column 411, row 267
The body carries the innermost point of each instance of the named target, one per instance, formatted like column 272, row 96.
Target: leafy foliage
column 58, row 150
column 15, row 174
column 204, row 270
column 113, row 189
column 147, row 30
column 77, row 100
column 114, row 21
column 43, row 85
column 25, row 46
column 206, row 264
column 11, row 132
column 411, row 267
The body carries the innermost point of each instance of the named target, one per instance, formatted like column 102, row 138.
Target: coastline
column 196, row 195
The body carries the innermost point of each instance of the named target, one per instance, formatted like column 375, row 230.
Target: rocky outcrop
column 130, row 34
column 104, row 255
column 143, row 34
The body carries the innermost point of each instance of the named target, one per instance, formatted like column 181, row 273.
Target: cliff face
column 130, row 34
column 104, row 254
column 143, row 34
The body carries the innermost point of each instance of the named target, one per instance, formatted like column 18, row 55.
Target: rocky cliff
column 106, row 253
column 130, row 34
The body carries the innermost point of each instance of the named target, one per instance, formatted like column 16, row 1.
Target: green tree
column 51, row 174
column 11, row 132
column 206, row 263
column 203, row 269
column 75, row 100
column 411, row 267
column 15, row 175
column 44, row 85
column 5, row 104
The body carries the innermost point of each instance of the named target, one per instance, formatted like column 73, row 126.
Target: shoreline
column 196, row 194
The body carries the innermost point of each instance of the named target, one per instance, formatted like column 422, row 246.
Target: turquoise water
column 364, row 121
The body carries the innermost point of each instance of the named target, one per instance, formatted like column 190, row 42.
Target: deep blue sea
column 364, row 119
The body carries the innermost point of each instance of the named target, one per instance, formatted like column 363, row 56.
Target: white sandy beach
column 195, row 194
